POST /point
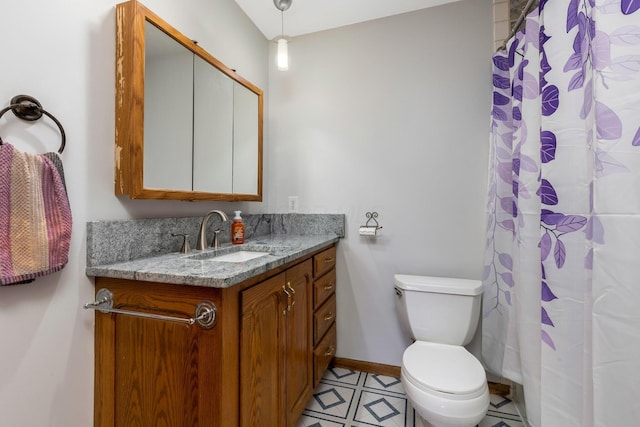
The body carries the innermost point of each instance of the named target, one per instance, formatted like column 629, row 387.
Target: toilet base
column 445, row 412
column 421, row 422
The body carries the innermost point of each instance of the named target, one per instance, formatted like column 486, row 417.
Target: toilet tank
column 438, row 309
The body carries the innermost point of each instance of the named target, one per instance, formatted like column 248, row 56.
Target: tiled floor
column 347, row 398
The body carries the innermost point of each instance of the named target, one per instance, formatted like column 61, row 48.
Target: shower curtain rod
column 514, row 29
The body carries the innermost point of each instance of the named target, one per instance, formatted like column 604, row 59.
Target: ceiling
column 309, row 16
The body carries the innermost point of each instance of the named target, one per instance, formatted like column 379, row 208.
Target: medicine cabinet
column 187, row 126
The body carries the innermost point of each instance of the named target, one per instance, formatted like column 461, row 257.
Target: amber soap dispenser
column 237, row 229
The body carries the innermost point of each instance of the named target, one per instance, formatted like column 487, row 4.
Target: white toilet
column 446, row 384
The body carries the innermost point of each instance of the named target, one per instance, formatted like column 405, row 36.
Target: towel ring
column 28, row 108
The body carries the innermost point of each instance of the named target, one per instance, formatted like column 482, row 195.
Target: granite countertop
column 199, row 268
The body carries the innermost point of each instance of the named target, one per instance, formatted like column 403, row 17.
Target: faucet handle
column 185, row 249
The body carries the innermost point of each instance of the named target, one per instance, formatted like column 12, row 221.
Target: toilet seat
column 446, row 370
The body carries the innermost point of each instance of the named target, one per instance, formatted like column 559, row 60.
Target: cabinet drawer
column 323, row 318
column 324, row 261
column 323, row 354
column 323, row 288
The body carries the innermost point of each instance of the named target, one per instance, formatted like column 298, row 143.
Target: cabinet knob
column 330, row 351
column 328, row 316
column 328, row 286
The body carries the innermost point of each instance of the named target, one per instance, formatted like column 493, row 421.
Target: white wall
column 63, row 52
column 389, row 116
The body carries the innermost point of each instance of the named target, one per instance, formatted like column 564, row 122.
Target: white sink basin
column 239, row 256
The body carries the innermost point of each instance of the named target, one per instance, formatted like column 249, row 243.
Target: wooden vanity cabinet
column 276, row 349
column 256, row 367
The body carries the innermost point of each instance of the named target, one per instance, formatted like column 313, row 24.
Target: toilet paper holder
column 371, row 227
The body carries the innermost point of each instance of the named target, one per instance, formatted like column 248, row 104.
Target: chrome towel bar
column 205, row 312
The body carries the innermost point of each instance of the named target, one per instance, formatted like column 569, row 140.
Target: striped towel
column 35, row 216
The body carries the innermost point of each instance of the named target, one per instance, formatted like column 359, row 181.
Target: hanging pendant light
column 282, row 55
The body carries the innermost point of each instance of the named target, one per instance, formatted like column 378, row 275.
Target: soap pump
column 237, row 229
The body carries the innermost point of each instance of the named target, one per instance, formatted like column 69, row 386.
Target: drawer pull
column 288, row 294
column 328, row 286
column 328, row 316
column 293, row 292
column 328, row 260
column 330, row 351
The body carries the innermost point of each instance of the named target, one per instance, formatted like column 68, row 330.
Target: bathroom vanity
column 274, row 335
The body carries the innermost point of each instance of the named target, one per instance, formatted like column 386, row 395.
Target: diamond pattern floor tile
column 329, row 399
column 383, row 383
column 503, row 405
column 348, row 398
column 491, row 421
column 345, row 376
column 315, row 421
column 380, row 410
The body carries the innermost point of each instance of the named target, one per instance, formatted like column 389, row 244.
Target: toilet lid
column 444, row 368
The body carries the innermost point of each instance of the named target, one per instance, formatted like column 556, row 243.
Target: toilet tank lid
column 442, row 285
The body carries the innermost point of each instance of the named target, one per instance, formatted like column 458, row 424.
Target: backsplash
column 113, row 241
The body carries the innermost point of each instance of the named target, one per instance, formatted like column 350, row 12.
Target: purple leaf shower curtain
column 561, row 305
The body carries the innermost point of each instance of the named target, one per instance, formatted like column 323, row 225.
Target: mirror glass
column 168, row 112
column 187, row 126
column 245, row 133
column 213, row 130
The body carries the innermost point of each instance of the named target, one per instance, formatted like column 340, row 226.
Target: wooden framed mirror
column 187, row 126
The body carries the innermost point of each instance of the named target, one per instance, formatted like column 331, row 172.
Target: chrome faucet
column 202, row 235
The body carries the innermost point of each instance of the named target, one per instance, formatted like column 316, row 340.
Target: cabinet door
column 155, row 355
column 152, row 372
column 262, row 354
column 298, row 341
